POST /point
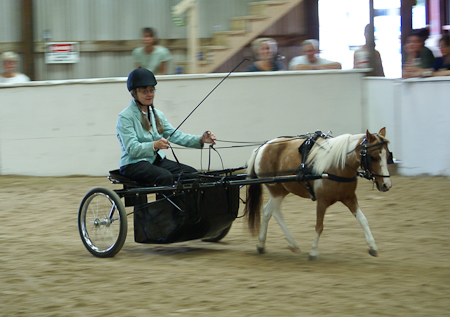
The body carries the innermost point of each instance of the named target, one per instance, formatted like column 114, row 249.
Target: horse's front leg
column 320, row 214
column 352, row 204
column 268, row 210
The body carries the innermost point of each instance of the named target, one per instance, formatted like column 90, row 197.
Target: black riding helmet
column 140, row 77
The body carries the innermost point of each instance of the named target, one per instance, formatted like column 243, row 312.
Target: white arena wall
column 59, row 128
column 419, row 111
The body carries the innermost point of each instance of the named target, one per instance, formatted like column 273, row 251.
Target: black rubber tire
column 219, row 237
column 102, row 222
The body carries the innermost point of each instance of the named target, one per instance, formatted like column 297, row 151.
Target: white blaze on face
column 384, row 168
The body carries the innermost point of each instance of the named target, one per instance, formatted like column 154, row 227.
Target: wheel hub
column 102, row 222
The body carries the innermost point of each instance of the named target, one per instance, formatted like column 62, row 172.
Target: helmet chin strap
column 137, row 102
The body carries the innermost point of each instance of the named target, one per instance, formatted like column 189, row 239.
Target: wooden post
column 406, row 19
column 371, row 38
column 312, row 19
column 191, row 7
column 27, row 38
column 193, row 46
column 444, row 14
column 435, row 16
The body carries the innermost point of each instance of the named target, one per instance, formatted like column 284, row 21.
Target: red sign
column 61, row 48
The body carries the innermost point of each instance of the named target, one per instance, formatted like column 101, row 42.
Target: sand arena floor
column 46, row 271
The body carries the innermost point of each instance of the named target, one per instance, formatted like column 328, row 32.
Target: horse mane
column 332, row 152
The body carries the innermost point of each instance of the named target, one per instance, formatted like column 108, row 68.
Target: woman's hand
column 208, row 137
column 161, row 144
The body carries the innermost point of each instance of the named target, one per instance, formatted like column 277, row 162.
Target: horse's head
column 375, row 157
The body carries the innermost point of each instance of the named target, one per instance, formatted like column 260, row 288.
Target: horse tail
column 253, row 202
column 253, row 207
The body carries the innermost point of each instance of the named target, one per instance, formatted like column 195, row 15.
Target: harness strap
column 311, row 191
column 304, row 149
column 341, row 179
column 306, row 146
column 306, row 177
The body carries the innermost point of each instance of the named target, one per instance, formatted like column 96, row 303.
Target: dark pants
column 161, row 173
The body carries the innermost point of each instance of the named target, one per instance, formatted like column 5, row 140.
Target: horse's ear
column 382, row 132
column 369, row 137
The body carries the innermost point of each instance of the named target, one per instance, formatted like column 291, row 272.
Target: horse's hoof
column 373, row 252
column 261, row 250
column 294, row 249
column 313, row 257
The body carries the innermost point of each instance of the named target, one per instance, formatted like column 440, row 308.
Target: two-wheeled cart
column 201, row 207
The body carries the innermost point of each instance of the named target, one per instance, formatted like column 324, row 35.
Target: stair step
column 250, row 17
column 222, row 38
column 261, row 8
column 243, row 23
column 215, row 47
column 233, row 32
column 268, row 2
column 208, row 53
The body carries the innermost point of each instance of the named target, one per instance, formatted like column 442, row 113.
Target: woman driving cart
column 143, row 131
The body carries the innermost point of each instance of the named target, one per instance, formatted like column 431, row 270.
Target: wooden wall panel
column 94, row 22
column 10, row 30
column 10, row 26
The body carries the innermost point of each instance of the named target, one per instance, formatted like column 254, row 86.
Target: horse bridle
column 366, row 159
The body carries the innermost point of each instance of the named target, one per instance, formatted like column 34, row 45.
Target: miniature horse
column 335, row 161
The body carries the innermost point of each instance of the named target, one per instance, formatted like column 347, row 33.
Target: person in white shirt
column 310, row 59
column 10, row 61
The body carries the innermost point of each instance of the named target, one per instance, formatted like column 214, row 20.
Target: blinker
column 390, row 159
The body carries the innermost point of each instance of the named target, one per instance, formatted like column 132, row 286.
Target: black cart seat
column 116, row 178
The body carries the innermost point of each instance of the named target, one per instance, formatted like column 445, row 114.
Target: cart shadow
column 178, row 249
column 249, row 257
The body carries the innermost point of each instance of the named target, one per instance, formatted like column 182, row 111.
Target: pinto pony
column 335, row 162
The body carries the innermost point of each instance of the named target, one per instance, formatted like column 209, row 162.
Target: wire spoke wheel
column 102, row 222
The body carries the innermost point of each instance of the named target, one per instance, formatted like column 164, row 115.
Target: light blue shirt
column 151, row 61
column 137, row 144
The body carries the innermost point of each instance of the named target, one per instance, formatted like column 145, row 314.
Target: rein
column 176, row 129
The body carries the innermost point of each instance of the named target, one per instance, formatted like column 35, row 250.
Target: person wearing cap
column 10, row 61
column 144, row 131
column 310, row 59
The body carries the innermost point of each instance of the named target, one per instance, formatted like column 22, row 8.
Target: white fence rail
column 59, row 128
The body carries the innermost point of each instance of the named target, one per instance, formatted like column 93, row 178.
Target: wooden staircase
column 244, row 29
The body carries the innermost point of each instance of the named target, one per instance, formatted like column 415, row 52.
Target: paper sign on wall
column 62, row 52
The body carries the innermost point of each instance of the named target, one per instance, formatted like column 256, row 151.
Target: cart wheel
column 219, row 237
column 102, row 222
